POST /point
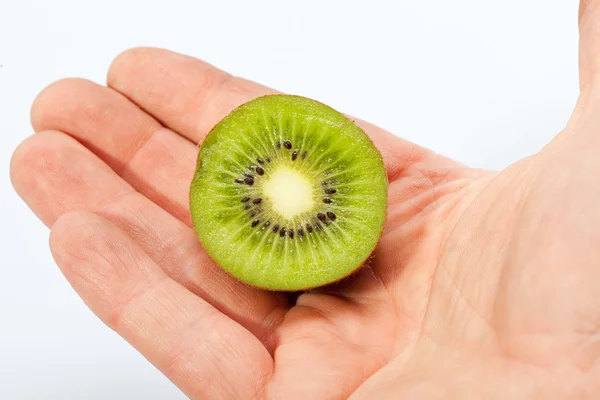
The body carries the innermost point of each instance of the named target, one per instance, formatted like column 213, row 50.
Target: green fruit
column 288, row 194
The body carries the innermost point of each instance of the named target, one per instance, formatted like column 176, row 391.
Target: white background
column 485, row 82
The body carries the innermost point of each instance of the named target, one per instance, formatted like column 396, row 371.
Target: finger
column 152, row 159
column 185, row 94
column 589, row 32
column 55, row 174
column 202, row 351
column 190, row 97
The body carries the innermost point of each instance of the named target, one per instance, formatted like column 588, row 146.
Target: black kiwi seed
column 249, row 175
column 275, row 228
column 309, row 228
column 327, row 200
column 267, row 224
column 301, row 232
column 287, row 144
column 239, row 181
column 331, row 215
column 247, row 206
column 268, row 159
column 260, row 160
column 252, row 214
column 294, row 155
column 249, row 181
column 255, row 222
column 260, row 171
column 257, row 201
column 323, row 183
column 304, row 155
column 282, row 232
column 330, row 191
column 321, row 216
column 245, row 199
column 291, row 233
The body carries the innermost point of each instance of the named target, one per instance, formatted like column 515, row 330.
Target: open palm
column 484, row 285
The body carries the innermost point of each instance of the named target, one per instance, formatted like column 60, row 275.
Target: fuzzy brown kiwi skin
column 307, row 288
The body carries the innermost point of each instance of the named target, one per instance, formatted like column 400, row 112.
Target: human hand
column 484, row 284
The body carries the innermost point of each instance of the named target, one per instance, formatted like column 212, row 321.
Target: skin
column 485, row 284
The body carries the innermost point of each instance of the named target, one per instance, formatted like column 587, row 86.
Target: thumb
column 589, row 42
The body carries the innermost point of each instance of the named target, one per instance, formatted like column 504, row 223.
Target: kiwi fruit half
column 288, row 194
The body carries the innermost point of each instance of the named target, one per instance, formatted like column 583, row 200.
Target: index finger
column 190, row 96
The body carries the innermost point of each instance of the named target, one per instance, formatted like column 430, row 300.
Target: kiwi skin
column 209, row 138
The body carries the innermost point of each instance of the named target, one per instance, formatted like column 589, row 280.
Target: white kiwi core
column 289, row 192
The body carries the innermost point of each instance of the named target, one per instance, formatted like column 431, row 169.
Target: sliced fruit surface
column 288, row 194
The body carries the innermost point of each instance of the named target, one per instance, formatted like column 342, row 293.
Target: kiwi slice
column 288, row 194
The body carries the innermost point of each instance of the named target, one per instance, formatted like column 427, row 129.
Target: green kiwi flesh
column 288, row 194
